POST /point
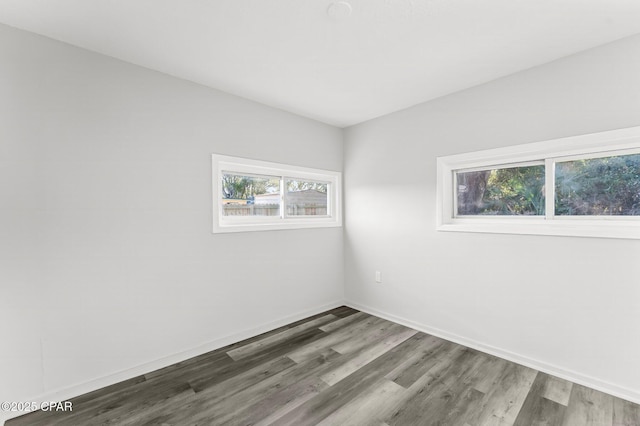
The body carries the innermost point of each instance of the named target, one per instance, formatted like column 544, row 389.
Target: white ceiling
column 291, row 54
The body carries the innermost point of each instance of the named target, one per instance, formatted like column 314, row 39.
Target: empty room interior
column 362, row 212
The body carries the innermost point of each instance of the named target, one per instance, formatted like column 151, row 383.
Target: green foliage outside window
column 608, row 186
column 509, row 191
column 242, row 187
column 303, row 185
column 599, row 186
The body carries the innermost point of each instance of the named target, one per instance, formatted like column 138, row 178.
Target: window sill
column 600, row 228
column 275, row 226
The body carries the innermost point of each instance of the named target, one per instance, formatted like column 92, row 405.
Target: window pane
column 607, row 186
column 306, row 198
column 244, row 195
column 509, row 191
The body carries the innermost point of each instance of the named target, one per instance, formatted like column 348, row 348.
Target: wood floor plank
column 188, row 372
column 504, row 401
column 332, row 326
column 133, row 415
column 468, row 401
column 215, row 358
column 459, row 397
column 343, row 311
column 367, row 336
column 226, row 401
column 109, row 390
column 367, row 355
column 330, row 400
column 245, row 379
column 333, row 338
column 110, row 408
column 235, row 405
column 625, row 413
column 216, row 375
column 293, row 403
column 538, row 410
column 430, row 352
column 370, row 407
column 557, row 390
column 277, row 404
column 545, row 413
column 492, row 375
column 251, row 348
column 343, row 367
column 337, row 312
column 80, row 402
column 427, row 398
column 588, row 407
column 217, row 393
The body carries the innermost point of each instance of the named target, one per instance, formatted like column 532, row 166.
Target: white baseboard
column 554, row 370
column 67, row 393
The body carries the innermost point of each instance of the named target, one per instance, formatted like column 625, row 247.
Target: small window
column 251, row 195
column 580, row 186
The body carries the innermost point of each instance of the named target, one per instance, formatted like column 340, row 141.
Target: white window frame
column 244, row 166
column 595, row 145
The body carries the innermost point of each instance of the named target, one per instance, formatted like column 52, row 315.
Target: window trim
column 223, row 224
column 592, row 145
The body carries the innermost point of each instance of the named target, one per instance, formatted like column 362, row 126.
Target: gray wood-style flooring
column 344, row 367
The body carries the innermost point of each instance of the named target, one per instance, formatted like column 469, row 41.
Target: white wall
column 107, row 259
column 567, row 305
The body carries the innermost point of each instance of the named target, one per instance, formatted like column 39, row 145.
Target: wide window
column 251, row 195
column 582, row 186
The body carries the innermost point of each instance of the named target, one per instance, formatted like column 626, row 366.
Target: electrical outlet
column 378, row 276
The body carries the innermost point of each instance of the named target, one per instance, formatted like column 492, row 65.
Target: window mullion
column 549, row 188
column 283, row 198
column 454, row 205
